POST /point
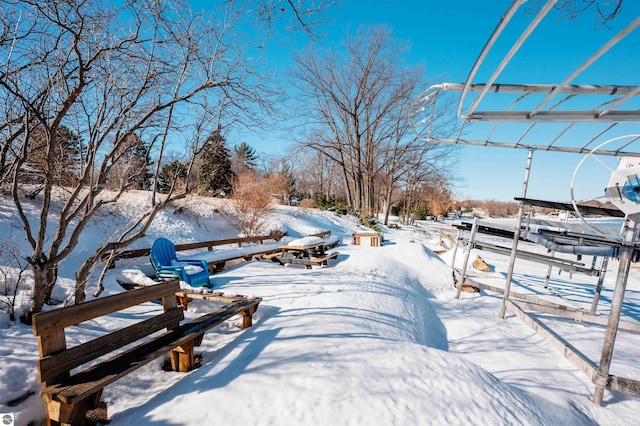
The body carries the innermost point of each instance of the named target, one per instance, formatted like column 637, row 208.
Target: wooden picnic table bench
column 68, row 396
column 307, row 254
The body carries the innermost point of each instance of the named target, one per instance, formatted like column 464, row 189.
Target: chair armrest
column 197, row 262
column 172, row 268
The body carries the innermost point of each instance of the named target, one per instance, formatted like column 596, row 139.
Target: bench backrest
column 56, row 360
column 163, row 252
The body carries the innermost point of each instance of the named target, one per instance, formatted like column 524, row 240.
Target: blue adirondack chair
column 167, row 265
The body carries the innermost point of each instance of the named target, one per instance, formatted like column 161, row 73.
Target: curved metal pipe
column 608, row 251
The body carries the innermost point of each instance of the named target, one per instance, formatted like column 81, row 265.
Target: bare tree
column 12, row 277
column 360, row 100
column 107, row 71
column 604, row 10
column 316, row 174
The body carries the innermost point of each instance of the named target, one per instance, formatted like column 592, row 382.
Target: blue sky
column 447, row 36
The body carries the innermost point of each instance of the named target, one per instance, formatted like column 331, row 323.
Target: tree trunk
column 44, row 280
column 387, row 204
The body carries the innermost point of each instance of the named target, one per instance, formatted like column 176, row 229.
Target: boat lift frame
column 551, row 110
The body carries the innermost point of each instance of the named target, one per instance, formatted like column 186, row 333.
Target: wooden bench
column 68, row 396
column 184, row 297
column 114, row 254
column 374, row 238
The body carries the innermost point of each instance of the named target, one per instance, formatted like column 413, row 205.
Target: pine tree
column 245, row 155
column 215, row 175
column 288, row 181
column 140, row 163
column 172, row 174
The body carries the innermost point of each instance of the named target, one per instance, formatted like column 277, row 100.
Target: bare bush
column 13, row 287
column 250, row 205
column 496, row 208
column 308, row 203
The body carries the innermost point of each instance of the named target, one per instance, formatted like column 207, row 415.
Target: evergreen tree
column 215, row 175
column 140, row 163
column 172, row 174
column 245, row 155
column 288, row 181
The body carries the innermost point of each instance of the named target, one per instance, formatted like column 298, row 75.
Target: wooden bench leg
column 183, row 301
column 182, row 358
column 60, row 413
column 247, row 316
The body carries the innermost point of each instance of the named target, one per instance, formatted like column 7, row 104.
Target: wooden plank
column 271, row 255
column 624, row 385
column 320, row 234
column 52, row 343
column 324, row 258
column 54, row 365
column 574, row 314
column 547, row 306
column 93, row 379
column 211, row 296
column 135, row 253
column 588, row 367
column 47, row 322
column 300, row 248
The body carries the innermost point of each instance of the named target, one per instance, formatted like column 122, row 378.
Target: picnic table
column 306, row 251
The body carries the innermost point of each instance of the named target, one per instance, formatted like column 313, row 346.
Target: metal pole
column 596, row 295
column 455, row 248
column 546, row 279
column 516, row 237
column 602, row 378
column 472, row 238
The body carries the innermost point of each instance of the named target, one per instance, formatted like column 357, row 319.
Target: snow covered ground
column 376, row 337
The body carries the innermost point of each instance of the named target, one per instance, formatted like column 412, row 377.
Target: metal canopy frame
column 550, row 108
column 547, row 117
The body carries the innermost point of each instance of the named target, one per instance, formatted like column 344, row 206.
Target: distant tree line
column 354, row 103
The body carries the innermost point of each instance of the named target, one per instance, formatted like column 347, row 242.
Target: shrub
column 250, row 205
column 13, row 288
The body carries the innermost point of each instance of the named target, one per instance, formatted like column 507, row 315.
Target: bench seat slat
column 324, row 258
column 56, row 364
column 88, row 382
column 47, row 322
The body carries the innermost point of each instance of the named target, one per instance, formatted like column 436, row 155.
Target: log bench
column 69, row 395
